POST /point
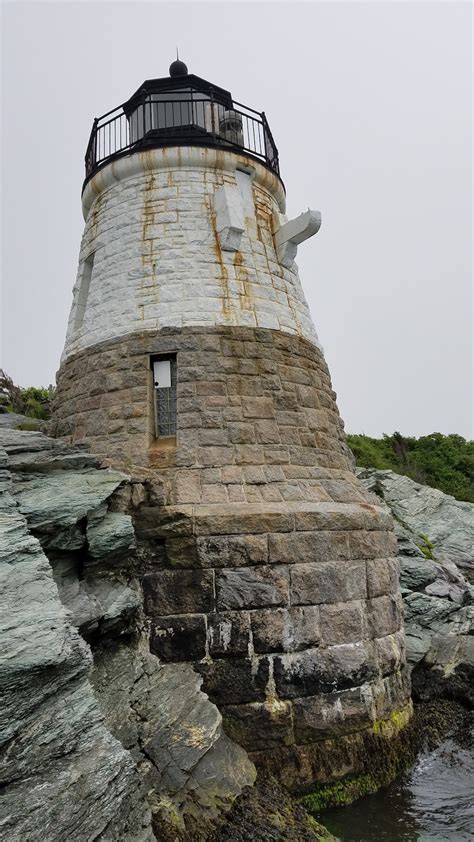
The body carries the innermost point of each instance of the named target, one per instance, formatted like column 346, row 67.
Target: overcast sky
column 369, row 104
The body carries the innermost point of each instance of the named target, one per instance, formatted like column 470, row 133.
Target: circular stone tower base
column 268, row 566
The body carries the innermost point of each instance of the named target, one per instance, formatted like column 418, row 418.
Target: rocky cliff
column 92, row 754
column 99, row 739
column 436, row 552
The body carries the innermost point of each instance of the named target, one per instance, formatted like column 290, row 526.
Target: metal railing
column 154, row 120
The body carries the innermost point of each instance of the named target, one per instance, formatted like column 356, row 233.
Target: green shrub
column 444, row 462
column 33, row 401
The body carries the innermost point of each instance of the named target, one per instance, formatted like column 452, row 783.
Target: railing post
column 211, row 89
column 94, row 130
column 90, row 161
column 266, row 130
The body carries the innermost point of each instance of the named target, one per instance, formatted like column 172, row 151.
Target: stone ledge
column 256, row 518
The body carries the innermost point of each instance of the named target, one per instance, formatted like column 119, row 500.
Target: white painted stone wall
column 153, row 244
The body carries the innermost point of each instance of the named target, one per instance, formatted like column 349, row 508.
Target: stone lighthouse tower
column 191, row 355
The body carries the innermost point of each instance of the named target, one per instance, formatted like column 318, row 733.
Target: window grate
column 165, row 371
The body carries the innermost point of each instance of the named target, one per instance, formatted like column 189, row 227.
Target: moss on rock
column 393, row 747
column 378, row 750
column 388, row 748
column 340, row 793
column 398, row 719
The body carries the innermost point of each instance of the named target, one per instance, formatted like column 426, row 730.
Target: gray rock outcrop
column 64, row 775
column 420, row 510
column 191, row 768
column 103, row 742
column 436, row 548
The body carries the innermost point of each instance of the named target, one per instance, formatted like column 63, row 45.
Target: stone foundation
column 296, row 626
column 266, row 564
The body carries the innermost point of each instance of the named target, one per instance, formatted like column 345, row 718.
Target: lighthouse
column 191, row 357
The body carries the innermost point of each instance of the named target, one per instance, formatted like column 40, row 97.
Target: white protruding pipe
column 289, row 235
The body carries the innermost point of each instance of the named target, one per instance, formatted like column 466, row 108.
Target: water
column 433, row 802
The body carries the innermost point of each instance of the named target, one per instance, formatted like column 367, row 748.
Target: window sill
column 162, row 452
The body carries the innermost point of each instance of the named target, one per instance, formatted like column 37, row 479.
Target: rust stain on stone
column 96, row 210
column 220, row 163
column 263, row 217
column 368, row 506
column 245, row 297
column 148, row 257
column 148, row 210
column 226, row 302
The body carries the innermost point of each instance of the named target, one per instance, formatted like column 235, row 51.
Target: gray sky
column 369, row 104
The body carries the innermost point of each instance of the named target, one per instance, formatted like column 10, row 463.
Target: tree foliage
column 444, row 462
column 33, row 401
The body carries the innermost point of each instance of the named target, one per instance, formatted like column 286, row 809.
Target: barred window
column 164, row 388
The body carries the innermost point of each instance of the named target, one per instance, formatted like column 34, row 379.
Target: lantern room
column 179, row 109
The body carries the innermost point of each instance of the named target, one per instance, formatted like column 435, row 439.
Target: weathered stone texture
column 269, row 566
column 251, row 587
column 158, row 260
column 225, row 440
column 437, row 592
column 277, row 619
column 422, row 510
column 192, row 770
column 327, row 581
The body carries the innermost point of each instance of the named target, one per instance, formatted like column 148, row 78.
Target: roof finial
column 178, row 68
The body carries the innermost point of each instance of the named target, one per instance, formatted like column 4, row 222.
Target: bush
column 444, row 462
column 33, row 402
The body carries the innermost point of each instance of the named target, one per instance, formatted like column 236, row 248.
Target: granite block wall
column 157, row 259
column 268, row 566
column 297, row 633
column 256, row 413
